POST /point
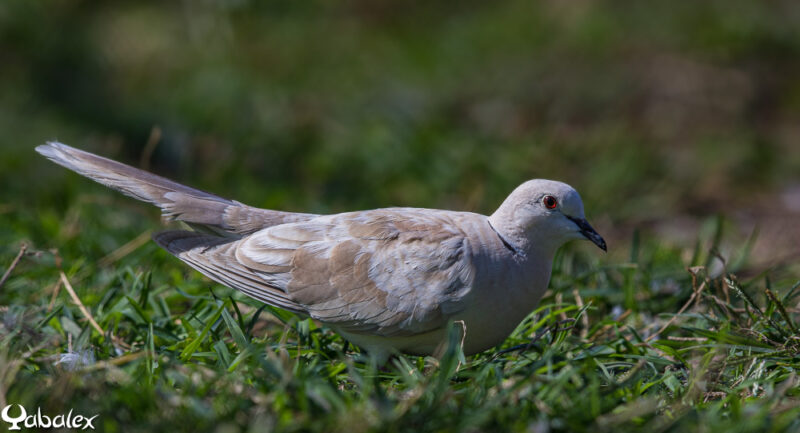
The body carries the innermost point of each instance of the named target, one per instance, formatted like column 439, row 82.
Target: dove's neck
column 531, row 240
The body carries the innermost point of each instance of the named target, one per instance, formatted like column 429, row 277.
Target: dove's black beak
column 589, row 232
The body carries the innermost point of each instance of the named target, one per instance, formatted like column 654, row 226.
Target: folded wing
column 388, row 272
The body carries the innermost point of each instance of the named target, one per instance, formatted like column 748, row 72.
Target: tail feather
column 212, row 255
column 179, row 202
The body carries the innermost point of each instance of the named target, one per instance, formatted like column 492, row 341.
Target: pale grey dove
column 386, row 279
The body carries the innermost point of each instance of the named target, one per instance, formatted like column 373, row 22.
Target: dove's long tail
column 179, row 202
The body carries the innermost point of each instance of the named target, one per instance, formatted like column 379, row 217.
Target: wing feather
column 213, row 257
column 388, row 272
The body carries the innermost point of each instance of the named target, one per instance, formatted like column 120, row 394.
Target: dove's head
column 544, row 213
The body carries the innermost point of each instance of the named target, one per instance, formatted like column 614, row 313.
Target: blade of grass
column 235, row 330
column 192, row 347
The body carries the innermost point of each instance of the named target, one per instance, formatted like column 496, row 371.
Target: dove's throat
column 531, row 241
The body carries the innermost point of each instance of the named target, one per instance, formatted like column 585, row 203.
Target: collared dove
column 388, row 280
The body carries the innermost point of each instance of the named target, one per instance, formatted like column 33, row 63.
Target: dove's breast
column 508, row 285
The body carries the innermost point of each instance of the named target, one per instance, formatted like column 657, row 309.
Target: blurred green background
column 661, row 113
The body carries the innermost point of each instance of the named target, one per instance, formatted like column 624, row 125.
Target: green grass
column 179, row 353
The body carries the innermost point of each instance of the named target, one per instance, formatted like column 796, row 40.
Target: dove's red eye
column 550, row 202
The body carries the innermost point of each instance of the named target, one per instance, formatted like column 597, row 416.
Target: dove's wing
column 387, row 272
column 179, row 202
